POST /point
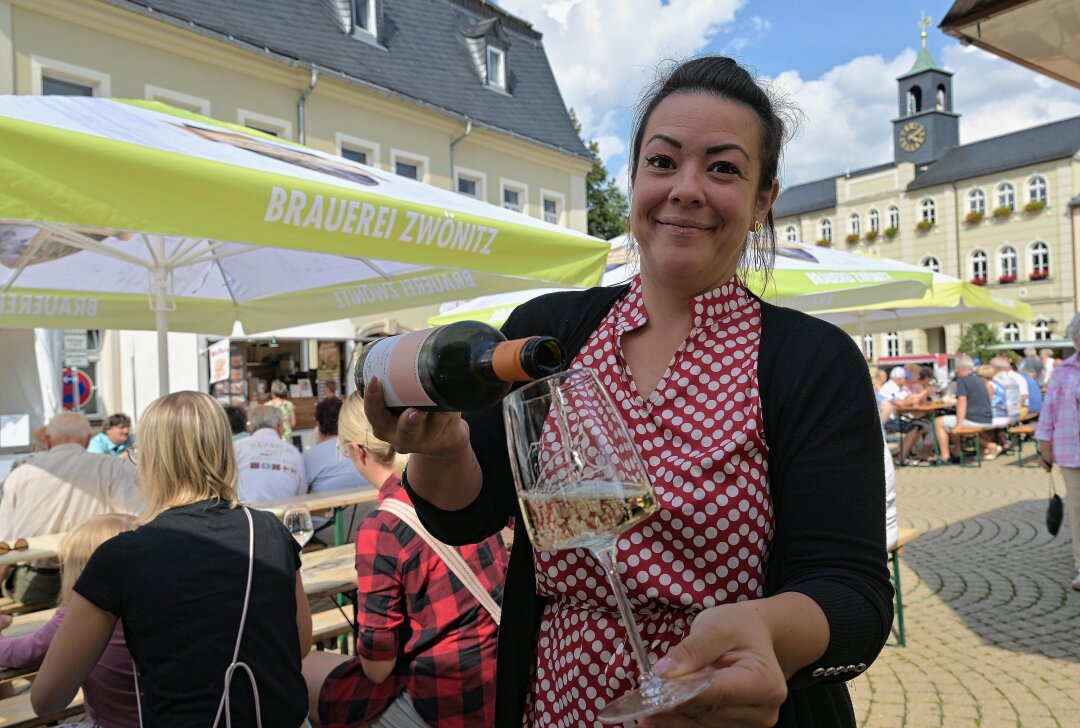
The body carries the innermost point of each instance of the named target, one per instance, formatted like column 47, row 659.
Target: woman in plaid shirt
column 1058, row 434
column 426, row 646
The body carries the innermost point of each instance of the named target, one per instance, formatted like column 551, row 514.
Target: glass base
column 656, row 696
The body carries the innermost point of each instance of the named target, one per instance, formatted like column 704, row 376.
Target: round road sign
column 76, row 388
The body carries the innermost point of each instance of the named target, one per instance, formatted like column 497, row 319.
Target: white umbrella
column 135, row 215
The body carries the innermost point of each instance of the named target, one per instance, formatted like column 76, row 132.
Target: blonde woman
column 278, row 393
column 426, row 645
column 109, row 689
column 198, row 575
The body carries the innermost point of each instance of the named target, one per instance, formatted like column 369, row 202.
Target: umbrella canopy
column 126, row 214
column 951, row 301
column 806, row 277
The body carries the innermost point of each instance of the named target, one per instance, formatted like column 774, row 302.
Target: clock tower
column 927, row 125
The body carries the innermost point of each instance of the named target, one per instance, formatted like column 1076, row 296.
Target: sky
column 836, row 62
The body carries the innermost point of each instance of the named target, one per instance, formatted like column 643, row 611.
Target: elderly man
column 972, row 408
column 115, row 437
column 270, row 468
column 55, row 492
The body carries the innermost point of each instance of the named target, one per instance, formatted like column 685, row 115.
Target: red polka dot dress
column 700, row 434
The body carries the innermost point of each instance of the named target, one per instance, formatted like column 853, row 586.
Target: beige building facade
column 105, row 49
column 1001, row 213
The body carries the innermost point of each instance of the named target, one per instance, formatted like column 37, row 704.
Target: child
column 109, row 691
column 206, row 590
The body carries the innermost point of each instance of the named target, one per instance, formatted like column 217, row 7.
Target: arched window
column 874, row 221
column 892, row 344
column 1010, row 332
column 1007, row 260
column 1042, row 330
column 928, row 211
column 931, row 263
column 868, row 346
column 978, row 265
column 855, row 226
column 1006, row 196
column 1037, row 189
column 1040, row 260
column 914, row 100
column 790, row 234
column 894, row 217
column 826, row 229
column 977, row 201
column 941, row 100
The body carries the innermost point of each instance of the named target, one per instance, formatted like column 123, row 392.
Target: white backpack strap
column 224, row 705
column 448, row 554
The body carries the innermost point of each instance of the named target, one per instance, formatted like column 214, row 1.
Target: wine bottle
column 460, row 367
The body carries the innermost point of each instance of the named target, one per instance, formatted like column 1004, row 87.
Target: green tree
column 977, row 340
column 607, row 204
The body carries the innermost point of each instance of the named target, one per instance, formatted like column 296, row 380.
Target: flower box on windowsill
column 979, row 280
column 1003, row 213
column 871, row 235
column 924, row 226
column 891, row 232
column 1040, row 275
column 852, row 238
column 974, row 218
column 1007, row 279
column 825, row 243
column 1034, row 207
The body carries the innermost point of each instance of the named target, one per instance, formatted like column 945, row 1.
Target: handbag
column 1055, row 510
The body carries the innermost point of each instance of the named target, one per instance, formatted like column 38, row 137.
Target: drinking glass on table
column 298, row 521
column 581, row 484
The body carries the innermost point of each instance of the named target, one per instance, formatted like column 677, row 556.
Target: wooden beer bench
column 16, row 712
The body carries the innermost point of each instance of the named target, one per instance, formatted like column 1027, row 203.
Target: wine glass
column 297, row 520
column 581, row 484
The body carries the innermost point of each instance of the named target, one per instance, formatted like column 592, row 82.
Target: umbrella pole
column 862, row 333
column 161, row 313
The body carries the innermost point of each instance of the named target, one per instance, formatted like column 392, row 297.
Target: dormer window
column 363, row 15
column 496, row 67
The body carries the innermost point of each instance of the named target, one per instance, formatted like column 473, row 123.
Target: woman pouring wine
column 766, row 559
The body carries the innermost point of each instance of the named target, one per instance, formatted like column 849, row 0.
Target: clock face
column 912, row 136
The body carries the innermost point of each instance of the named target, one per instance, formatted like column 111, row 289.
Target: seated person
column 269, row 468
column 115, row 437
column 1035, row 395
column 972, row 409
column 897, row 392
column 327, row 469
column 237, row 422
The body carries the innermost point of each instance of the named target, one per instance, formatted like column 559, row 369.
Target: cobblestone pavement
column 993, row 629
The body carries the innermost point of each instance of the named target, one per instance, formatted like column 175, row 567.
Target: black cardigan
column 827, row 483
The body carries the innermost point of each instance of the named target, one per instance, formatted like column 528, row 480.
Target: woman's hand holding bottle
column 435, row 434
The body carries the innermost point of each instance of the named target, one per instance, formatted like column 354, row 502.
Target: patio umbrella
column 951, row 301
column 134, row 215
column 806, row 277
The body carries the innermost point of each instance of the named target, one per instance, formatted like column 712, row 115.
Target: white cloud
column 848, row 110
column 604, row 51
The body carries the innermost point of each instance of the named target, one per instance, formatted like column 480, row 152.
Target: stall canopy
column 951, row 301
column 135, row 215
column 806, row 277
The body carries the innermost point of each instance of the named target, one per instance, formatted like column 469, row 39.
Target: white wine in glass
column 581, row 484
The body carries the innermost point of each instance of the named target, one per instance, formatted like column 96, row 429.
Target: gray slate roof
column 1057, row 140
column 817, row 195
column 426, row 56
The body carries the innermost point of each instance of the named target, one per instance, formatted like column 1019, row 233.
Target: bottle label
column 395, row 361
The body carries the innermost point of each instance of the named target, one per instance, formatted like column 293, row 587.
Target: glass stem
column 649, row 682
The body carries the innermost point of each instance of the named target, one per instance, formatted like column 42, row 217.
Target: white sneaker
column 1076, row 581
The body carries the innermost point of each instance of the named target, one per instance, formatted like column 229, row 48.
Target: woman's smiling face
column 697, row 191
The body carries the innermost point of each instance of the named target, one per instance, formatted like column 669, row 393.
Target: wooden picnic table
column 21, row 626
column 48, row 546
column 335, row 500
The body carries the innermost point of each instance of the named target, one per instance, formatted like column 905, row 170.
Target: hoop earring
column 759, row 228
